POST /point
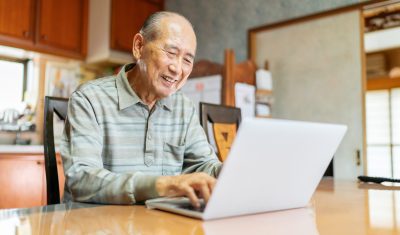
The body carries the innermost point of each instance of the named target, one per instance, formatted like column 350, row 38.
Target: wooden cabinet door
column 62, row 25
column 22, row 180
column 17, row 21
column 127, row 17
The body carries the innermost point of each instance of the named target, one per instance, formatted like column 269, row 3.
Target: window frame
column 24, row 62
column 387, row 84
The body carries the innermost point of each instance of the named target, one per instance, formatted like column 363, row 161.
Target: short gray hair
column 150, row 28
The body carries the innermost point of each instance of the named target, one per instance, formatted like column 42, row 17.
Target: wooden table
column 337, row 207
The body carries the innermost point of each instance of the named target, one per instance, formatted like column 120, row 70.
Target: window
column 383, row 132
column 13, row 82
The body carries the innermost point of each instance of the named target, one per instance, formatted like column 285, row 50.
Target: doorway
column 382, row 96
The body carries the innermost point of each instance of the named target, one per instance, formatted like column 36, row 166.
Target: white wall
column 317, row 75
column 221, row 24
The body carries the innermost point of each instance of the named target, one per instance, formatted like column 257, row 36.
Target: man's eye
column 171, row 53
column 189, row 61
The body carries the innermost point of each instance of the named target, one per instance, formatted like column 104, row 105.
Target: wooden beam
column 383, row 83
column 251, row 33
column 228, row 81
column 363, row 56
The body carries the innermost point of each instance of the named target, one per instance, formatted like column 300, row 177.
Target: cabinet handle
column 26, row 34
column 39, row 162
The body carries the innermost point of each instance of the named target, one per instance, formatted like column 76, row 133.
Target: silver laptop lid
column 273, row 165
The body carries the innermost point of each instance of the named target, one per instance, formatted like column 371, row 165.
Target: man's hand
column 189, row 185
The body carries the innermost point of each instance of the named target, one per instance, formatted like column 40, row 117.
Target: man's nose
column 176, row 66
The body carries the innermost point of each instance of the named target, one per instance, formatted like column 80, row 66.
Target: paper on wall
column 204, row 89
column 245, row 99
column 263, row 79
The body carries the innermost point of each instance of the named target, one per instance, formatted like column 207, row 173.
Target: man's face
column 167, row 61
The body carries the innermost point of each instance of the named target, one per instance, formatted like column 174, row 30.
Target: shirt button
column 148, row 160
column 149, row 137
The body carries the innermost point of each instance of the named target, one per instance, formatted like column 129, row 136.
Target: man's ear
column 138, row 42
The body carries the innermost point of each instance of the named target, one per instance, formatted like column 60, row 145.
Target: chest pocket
column 173, row 159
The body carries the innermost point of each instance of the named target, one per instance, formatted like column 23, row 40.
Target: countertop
column 21, row 149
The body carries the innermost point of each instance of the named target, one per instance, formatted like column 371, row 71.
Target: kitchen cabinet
column 23, row 180
column 51, row 26
column 17, row 22
column 62, row 24
column 112, row 25
column 127, row 17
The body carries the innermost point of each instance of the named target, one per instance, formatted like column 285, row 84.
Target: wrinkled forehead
column 178, row 31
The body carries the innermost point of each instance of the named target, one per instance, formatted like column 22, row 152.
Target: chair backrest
column 59, row 106
column 225, row 121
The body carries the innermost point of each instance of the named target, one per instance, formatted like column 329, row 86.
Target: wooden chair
column 59, row 106
column 231, row 72
column 225, row 121
column 225, row 118
column 244, row 72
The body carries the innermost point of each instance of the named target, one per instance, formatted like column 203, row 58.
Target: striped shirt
column 114, row 148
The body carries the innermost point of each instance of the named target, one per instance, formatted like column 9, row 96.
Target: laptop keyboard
column 192, row 208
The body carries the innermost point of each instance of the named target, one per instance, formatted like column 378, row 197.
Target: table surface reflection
column 337, row 207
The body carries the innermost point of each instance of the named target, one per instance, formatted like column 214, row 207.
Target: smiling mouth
column 169, row 80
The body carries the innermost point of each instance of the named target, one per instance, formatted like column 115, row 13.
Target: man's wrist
column 162, row 183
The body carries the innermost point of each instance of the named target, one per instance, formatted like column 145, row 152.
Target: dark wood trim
column 12, row 59
column 251, row 42
column 111, row 42
column 48, row 49
column 33, row 22
column 363, row 92
column 85, row 28
column 383, row 83
column 15, row 42
column 251, row 32
column 25, row 79
column 30, row 46
column 228, row 81
column 37, row 23
column 251, row 52
column 23, row 156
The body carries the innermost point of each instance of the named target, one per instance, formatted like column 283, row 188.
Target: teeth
column 168, row 79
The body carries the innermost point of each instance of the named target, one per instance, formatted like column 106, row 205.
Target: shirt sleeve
column 81, row 150
column 199, row 155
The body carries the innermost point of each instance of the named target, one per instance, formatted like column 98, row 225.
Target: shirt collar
column 165, row 103
column 127, row 96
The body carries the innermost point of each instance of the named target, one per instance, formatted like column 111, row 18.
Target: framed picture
column 62, row 78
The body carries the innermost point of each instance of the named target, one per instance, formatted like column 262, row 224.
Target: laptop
column 272, row 165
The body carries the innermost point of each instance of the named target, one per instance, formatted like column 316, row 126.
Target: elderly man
column 134, row 136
